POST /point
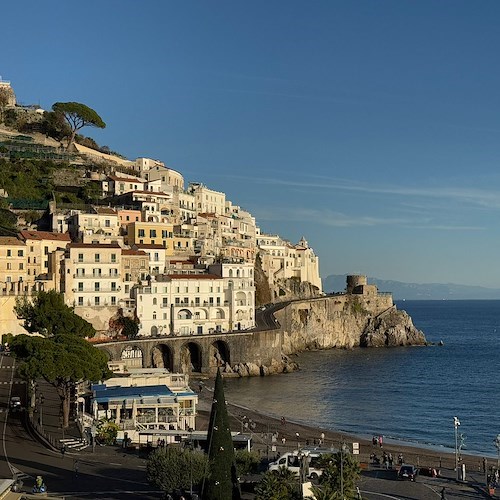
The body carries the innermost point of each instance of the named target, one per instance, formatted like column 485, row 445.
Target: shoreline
column 263, row 425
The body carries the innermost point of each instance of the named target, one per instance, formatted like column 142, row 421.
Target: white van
column 291, row 461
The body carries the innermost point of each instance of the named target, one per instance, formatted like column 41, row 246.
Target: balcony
column 97, row 276
column 101, row 290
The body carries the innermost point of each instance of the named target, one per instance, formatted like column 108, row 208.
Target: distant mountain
column 416, row 291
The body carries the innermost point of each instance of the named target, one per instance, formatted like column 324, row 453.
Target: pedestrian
column 283, row 440
column 63, row 450
column 76, row 466
column 358, row 493
column 390, row 460
column 380, row 441
column 400, row 459
column 443, row 494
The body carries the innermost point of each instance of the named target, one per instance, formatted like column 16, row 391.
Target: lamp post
column 297, row 435
column 42, row 400
column 456, row 423
column 497, row 444
column 190, row 430
column 343, row 449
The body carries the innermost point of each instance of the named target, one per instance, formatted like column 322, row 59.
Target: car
column 15, row 403
column 407, row 472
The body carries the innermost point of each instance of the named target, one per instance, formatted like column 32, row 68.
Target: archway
column 132, row 356
column 191, row 360
column 162, row 357
column 220, row 354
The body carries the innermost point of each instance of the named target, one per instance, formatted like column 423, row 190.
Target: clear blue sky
column 370, row 127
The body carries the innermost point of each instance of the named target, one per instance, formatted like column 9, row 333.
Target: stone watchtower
column 355, row 283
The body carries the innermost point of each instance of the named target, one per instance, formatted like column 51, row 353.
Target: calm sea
column 406, row 393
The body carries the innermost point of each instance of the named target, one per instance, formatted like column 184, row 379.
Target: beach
column 262, row 427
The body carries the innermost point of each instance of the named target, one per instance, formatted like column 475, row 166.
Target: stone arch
column 184, row 314
column 241, row 299
column 133, row 356
column 220, row 354
column 191, row 358
column 162, row 357
column 218, row 313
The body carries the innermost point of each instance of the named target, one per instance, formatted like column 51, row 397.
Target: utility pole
column 456, row 424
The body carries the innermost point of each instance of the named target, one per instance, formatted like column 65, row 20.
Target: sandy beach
column 262, row 427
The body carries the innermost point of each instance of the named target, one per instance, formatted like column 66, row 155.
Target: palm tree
column 281, row 484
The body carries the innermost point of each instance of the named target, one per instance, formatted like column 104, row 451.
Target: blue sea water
column 406, row 393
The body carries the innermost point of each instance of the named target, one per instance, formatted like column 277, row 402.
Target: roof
column 10, row 240
column 126, row 251
column 45, row 235
column 105, row 211
column 94, row 245
column 149, row 246
column 103, row 394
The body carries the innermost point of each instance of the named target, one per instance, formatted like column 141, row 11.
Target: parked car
column 407, row 472
column 15, row 403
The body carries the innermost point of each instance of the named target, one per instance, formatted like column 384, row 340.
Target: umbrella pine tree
column 222, row 479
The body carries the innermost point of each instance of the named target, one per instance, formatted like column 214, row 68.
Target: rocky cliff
column 346, row 321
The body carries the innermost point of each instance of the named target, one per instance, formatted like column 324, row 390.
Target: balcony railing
column 96, row 276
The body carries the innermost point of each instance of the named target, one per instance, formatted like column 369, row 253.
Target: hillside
column 416, row 291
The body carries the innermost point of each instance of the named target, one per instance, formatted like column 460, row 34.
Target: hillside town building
column 179, row 261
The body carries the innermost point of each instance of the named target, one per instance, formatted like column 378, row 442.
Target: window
column 46, row 250
column 154, row 314
column 165, row 302
column 97, row 286
column 113, row 301
column 177, row 301
column 80, row 257
column 154, row 301
column 197, row 301
column 141, row 233
column 113, row 257
column 80, row 301
column 218, row 301
column 127, row 288
column 46, row 264
column 31, row 249
column 157, row 257
column 97, row 257
column 113, row 286
column 19, row 253
column 9, row 266
column 107, row 223
column 152, row 233
column 80, row 287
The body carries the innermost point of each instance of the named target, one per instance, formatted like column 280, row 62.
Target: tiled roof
column 45, row 235
column 126, row 251
column 94, row 245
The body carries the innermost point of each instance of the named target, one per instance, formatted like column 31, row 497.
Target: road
column 106, row 474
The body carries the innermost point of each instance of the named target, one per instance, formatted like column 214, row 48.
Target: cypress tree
column 222, row 480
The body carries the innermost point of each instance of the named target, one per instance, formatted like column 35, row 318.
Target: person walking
column 63, row 450
column 443, row 494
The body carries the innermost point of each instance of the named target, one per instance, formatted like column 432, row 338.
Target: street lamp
column 297, row 435
column 42, row 400
column 456, row 423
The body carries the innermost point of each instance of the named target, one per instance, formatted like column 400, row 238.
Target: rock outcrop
column 390, row 330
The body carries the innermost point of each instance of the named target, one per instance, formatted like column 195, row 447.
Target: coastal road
column 106, row 474
column 381, row 484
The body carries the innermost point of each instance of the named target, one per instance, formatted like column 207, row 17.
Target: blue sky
column 370, row 127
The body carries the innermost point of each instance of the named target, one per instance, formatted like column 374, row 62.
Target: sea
column 406, row 394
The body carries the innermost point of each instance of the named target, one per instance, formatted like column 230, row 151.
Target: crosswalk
column 74, row 444
column 18, row 474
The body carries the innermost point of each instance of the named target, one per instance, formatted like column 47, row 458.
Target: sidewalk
column 47, row 421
